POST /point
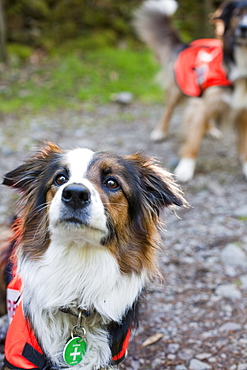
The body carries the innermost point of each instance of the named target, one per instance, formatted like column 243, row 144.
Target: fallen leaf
column 152, row 339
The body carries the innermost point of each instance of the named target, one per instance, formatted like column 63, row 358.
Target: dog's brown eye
column 60, row 179
column 112, row 184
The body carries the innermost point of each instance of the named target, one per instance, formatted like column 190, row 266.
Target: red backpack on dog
column 200, row 66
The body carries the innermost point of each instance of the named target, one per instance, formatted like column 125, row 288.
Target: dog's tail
column 152, row 22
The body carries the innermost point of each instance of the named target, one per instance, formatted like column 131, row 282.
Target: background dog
column 154, row 25
column 87, row 236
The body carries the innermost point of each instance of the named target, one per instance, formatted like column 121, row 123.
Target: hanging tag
column 74, row 351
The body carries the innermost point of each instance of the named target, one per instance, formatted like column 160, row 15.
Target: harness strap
column 32, row 355
column 122, row 354
column 37, row 358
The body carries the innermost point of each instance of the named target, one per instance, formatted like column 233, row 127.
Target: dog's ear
column 224, row 13
column 16, row 178
column 158, row 186
column 23, row 176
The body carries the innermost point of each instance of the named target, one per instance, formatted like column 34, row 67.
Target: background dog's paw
column 158, row 135
column 185, row 169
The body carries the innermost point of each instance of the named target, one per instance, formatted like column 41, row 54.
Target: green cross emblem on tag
column 74, row 351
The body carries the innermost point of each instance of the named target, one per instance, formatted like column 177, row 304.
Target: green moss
column 18, row 53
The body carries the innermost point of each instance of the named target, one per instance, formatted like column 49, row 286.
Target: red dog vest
column 21, row 347
column 200, row 66
column 22, row 350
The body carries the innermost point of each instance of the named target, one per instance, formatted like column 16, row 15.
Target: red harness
column 22, row 350
column 200, row 66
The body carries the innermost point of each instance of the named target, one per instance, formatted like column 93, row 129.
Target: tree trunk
column 3, row 55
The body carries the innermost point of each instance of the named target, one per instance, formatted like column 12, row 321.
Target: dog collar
column 85, row 313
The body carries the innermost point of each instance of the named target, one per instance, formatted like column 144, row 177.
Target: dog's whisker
column 39, row 228
column 113, row 203
column 39, row 208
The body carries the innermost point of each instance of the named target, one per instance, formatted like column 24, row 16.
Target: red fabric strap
column 123, row 351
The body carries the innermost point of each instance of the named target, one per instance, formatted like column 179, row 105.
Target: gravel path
column 199, row 312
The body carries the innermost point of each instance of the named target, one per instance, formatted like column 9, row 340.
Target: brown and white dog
column 153, row 22
column 87, row 237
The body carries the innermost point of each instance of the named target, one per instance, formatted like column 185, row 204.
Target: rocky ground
column 196, row 319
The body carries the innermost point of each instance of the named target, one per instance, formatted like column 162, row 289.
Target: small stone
column 135, row 365
column 212, row 359
column 228, row 291
column 171, row 357
column 227, row 308
column 243, row 342
column 123, row 98
column 233, row 255
column 173, row 347
column 181, row 367
column 157, row 363
column 231, row 271
column 242, row 366
column 230, row 326
column 185, row 354
column 241, row 212
column 198, row 365
column 243, row 280
column 203, row 356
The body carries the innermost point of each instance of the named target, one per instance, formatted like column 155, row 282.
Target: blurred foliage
column 63, row 53
column 50, row 23
column 71, row 80
column 192, row 19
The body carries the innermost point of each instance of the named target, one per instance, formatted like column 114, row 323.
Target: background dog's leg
column 198, row 120
column 213, row 131
column 173, row 97
column 195, row 124
column 241, row 123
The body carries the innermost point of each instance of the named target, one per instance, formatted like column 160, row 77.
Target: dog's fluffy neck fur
column 89, row 277
column 238, row 74
column 238, row 69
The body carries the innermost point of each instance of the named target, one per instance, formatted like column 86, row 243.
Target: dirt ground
column 199, row 311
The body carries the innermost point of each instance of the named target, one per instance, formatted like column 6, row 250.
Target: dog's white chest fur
column 86, row 277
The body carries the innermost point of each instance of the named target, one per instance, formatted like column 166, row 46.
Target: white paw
column 245, row 169
column 185, row 169
column 158, row 135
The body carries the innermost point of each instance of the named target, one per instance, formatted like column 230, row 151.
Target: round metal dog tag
column 74, row 351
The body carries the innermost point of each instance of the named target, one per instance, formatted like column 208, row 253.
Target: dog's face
column 233, row 15
column 81, row 198
column 239, row 22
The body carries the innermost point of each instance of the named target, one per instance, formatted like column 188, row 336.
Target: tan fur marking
column 130, row 257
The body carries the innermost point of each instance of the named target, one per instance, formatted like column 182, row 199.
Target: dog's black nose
column 76, row 196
